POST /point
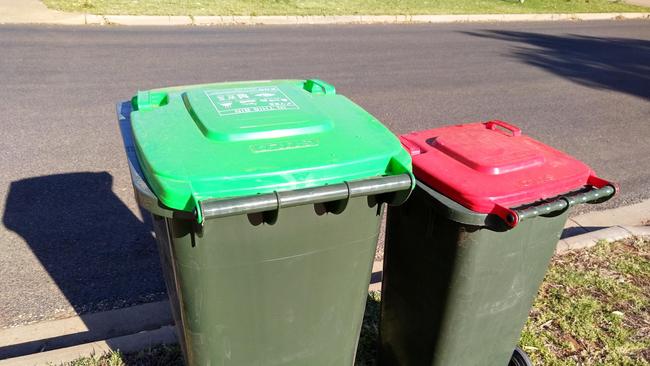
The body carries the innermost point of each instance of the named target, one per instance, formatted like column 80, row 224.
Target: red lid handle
column 492, row 125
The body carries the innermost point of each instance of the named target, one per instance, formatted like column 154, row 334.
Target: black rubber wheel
column 519, row 358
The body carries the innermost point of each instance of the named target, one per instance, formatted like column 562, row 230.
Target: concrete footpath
column 143, row 326
column 33, row 11
column 645, row 3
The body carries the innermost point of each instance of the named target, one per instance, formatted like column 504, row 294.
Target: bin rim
column 143, row 194
column 500, row 218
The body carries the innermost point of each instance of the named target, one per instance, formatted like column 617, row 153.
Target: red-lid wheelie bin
column 466, row 254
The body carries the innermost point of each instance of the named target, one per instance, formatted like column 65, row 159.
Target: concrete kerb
column 149, row 20
column 54, row 334
column 129, row 343
column 91, row 19
column 359, row 19
column 609, row 234
column 140, row 340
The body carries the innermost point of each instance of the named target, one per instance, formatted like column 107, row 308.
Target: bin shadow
column 99, row 254
column 369, row 335
column 577, row 230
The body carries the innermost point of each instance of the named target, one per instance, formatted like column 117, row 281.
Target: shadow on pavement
column 578, row 230
column 618, row 64
column 369, row 335
column 100, row 255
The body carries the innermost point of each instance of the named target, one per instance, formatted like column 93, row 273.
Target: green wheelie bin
column 466, row 254
column 266, row 200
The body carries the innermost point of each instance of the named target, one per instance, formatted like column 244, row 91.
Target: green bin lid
column 245, row 138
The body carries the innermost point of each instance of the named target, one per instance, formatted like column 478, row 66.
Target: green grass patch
column 592, row 309
column 337, row 7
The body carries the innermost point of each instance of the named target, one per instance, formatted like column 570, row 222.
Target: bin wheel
column 519, row 358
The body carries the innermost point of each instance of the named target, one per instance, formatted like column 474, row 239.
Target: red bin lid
column 491, row 167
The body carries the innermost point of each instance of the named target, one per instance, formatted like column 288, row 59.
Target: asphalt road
column 72, row 237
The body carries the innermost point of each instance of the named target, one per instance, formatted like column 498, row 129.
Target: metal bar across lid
column 565, row 202
column 214, row 208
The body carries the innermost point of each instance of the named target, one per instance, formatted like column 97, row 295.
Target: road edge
column 126, row 344
column 155, row 20
column 590, row 239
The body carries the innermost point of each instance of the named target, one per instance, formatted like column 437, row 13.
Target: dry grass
column 594, row 308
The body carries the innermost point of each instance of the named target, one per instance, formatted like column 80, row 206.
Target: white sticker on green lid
column 249, row 100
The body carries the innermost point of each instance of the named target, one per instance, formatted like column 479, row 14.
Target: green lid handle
column 148, row 100
column 215, row 208
column 316, row 86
